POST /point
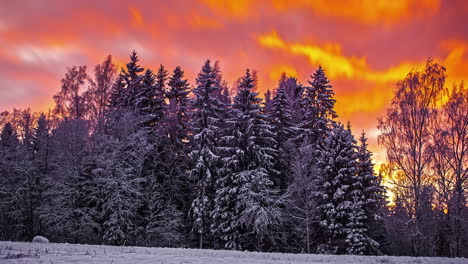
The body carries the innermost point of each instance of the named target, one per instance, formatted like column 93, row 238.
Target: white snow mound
column 40, row 239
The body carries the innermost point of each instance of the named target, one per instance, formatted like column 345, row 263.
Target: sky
column 365, row 46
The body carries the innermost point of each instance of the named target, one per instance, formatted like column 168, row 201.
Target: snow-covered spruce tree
column 150, row 101
column 280, row 117
column 245, row 210
column 159, row 100
column 356, row 230
column 317, row 104
column 294, row 92
column 117, row 93
column 132, row 81
column 267, row 104
column 177, row 114
column 374, row 195
column 337, row 192
column 205, row 120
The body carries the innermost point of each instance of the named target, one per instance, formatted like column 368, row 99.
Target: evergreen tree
column 318, row 104
column 337, row 192
column 149, row 101
column 205, row 120
column 178, row 107
column 132, row 81
column 373, row 192
column 160, row 93
column 268, row 103
column 281, row 119
column 294, row 92
column 244, row 205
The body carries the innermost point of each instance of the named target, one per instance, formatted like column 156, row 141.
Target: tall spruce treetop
column 150, row 98
column 160, row 92
column 145, row 96
column 133, row 79
column 178, row 107
column 268, row 103
column 205, row 120
column 318, row 104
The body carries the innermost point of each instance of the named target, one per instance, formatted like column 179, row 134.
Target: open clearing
column 25, row 252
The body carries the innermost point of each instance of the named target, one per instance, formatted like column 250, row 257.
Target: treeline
column 138, row 157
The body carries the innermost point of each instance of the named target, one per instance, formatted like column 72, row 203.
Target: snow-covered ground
column 22, row 252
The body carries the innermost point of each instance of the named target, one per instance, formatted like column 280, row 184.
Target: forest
column 143, row 157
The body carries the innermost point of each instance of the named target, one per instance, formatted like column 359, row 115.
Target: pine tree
column 159, row 101
column 117, row 94
column 178, row 107
column 149, row 102
column 177, row 127
column 244, row 210
column 205, row 120
column 373, row 192
column 318, row 104
column 280, row 117
column 267, row 103
column 132, row 80
column 336, row 190
column 294, row 92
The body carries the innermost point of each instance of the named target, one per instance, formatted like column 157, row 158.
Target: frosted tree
column 159, row 100
column 150, row 100
column 245, row 210
column 205, row 120
column 294, row 93
column 302, row 199
column 267, row 104
column 280, row 117
column 373, row 194
column 356, row 231
column 337, row 188
column 68, row 214
column 317, row 104
column 178, row 107
column 132, row 78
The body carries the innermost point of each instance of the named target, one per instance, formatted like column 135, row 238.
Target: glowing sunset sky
column 365, row 46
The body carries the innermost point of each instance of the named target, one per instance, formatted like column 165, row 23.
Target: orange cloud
column 239, row 9
column 200, row 22
column 365, row 11
column 137, row 17
column 362, row 11
column 332, row 58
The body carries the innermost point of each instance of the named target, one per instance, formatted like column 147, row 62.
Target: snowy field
column 22, row 252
